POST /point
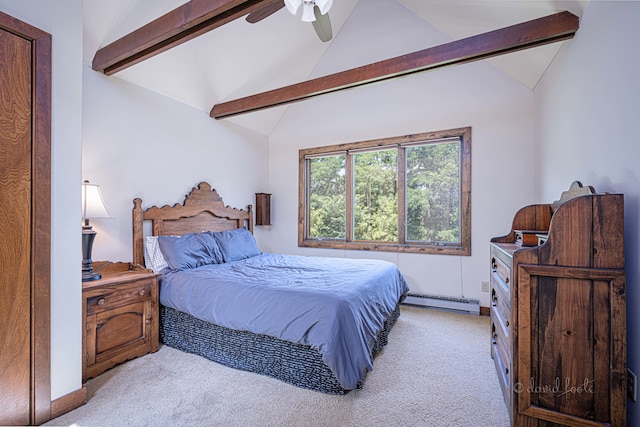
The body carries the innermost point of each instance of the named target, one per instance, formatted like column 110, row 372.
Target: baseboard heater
column 470, row 306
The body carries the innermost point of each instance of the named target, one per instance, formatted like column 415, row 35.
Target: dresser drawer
column 500, row 295
column 501, row 353
column 502, row 364
column 501, row 271
column 114, row 296
column 500, row 318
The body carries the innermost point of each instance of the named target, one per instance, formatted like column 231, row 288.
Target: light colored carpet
column 435, row 371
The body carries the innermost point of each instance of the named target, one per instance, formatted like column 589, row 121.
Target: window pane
column 410, row 193
column 433, row 192
column 327, row 197
column 376, row 195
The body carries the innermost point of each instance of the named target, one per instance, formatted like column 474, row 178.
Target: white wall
column 63, row 20
column 587, row 127
column 137, row 143
column 499, row 110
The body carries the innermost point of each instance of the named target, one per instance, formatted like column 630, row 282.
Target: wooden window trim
column 461, row 249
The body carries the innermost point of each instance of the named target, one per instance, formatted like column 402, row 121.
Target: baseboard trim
column 68, row 402
column 484, row 311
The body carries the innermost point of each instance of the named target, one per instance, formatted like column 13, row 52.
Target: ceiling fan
column 314, row 11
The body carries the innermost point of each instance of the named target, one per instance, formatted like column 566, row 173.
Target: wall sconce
column 93, row 207
column 263, row 209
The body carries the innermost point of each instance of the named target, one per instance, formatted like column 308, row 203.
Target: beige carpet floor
column 435, row 371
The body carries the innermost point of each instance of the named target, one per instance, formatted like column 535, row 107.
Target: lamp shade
column 92, row 203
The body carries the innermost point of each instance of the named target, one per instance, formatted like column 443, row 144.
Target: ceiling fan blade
column 265, row 11
column 322, row 25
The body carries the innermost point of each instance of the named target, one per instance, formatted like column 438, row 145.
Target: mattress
column 335, row 306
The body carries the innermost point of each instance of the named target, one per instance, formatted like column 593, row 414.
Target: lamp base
column 87, row 277
column 87, row 264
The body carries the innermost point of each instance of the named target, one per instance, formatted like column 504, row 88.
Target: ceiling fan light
column 293, row 5
column 324, row 5
column 307, row 12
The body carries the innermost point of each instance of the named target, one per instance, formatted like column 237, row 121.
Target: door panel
column 15, row 228
column 25, row 223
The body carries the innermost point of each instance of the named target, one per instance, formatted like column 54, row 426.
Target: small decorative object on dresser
column 558, row 319
column 121, row 316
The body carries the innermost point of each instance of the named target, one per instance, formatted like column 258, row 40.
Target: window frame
column 462, row 248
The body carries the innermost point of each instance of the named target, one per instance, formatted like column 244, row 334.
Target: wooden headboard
column 202, row 210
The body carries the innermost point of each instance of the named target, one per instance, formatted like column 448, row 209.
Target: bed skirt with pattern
column 296, row 364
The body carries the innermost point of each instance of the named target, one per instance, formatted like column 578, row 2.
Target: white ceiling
column 241, row 59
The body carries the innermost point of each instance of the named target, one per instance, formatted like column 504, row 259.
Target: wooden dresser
column 121, row 316
column 558, row 312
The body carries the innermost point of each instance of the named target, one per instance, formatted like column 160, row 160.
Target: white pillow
column 153, row 257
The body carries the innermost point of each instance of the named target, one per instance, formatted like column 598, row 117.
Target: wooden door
column 15, row 227
column 25, row 141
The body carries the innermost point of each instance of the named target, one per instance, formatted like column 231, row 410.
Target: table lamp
column 93, row 207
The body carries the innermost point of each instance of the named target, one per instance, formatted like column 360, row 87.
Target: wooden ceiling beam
column 549, row 29
column 268, row 9
column 182, row 24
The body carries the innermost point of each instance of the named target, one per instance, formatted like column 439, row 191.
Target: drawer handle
column 101, row 301
column 141, row 292
column 494, row 298
column 494, row 266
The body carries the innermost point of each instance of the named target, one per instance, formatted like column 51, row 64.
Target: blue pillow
column 236, row 244
column 190, row 251
column 211, row 245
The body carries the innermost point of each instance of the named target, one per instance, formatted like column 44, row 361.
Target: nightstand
column 121, row 316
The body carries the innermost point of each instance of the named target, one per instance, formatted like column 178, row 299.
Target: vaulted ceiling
column 240, row 59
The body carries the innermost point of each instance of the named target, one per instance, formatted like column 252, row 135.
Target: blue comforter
column 336, row 306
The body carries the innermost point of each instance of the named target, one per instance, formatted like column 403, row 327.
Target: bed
column 312, row 322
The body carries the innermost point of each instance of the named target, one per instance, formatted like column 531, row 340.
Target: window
column 402, row 194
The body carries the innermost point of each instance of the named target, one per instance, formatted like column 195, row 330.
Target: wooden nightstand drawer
column 121, row 317
column 114, row 296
